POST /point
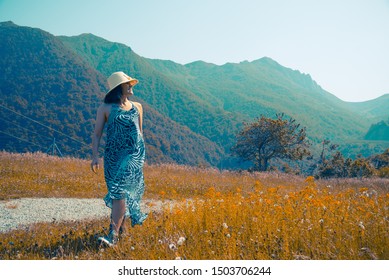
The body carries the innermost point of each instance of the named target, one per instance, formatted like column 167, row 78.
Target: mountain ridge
column 196, row 109
column 225, row 89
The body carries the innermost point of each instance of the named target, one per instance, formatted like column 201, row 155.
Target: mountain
column 47, row 92
column 192, row 111
column 378, row 131
column 265, row 87
column 168, row 96
column 376, row 109
column 214, row 100
column 42, row 80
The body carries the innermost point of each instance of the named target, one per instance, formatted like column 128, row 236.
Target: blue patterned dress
column 123, row 161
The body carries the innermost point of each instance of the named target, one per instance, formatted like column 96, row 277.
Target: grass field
column 217, row 215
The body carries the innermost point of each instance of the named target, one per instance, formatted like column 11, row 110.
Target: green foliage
column 383, row 172
column 361, row 168
column 267, row 139
column 336, row 166
column 381, row 160
column 332, row 164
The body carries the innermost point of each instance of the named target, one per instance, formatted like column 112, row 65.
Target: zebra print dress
column 123, row 161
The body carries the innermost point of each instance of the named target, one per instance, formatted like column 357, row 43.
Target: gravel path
column 25, row 211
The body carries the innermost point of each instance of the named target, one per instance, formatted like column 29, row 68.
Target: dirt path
column 25, row 211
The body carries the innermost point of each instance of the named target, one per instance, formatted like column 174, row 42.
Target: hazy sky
column 342, row 44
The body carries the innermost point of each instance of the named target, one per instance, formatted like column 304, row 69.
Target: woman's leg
column 118, row 211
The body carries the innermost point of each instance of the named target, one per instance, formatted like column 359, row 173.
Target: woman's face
column 127, row 89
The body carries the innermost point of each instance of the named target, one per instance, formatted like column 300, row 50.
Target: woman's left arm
column 140, row 109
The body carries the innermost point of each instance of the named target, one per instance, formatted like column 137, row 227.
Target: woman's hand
column 95, row 165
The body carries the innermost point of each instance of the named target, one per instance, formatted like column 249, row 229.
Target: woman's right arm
column 96, row 136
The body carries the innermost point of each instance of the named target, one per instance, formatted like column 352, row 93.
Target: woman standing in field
column 124, row 154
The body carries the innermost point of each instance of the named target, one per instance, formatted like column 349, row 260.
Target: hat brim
column 132, row 82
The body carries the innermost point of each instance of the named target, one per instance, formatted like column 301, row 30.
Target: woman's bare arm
column 101, row 118
column 140, row 109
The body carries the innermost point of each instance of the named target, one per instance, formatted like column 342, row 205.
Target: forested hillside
column 50, row 88
column 48, row 92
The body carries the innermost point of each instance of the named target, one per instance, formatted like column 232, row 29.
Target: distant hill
column 44, row 82
column 376, row 109
column 378, row 131
column 249, row 89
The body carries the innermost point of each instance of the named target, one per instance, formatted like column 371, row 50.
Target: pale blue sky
column 342, row 44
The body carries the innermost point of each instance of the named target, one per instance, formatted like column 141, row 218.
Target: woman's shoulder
column 137, row 104
column 105, row 109
column 105, row 106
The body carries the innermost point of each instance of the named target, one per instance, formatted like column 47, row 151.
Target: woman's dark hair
column 114, row 95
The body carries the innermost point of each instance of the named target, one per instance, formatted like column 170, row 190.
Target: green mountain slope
column 167, row 95
column 249, row 89
column 375, row 110
column 213, row 100
column 378, row 131
column 192, row 111
column 43, row 80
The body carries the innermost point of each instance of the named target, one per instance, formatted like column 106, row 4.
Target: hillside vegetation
column 55, row 94
column 193, row 112
column 214, row 100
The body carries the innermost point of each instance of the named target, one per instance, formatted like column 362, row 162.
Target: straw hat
column 119, row 78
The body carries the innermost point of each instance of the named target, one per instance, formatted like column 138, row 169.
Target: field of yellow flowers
column 215, row 215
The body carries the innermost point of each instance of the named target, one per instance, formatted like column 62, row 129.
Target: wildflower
column 228, row 235
column 172, row 247
column 321, row 221
column 181, row 241
column 361, row 225
column 311, row 181
column 225, row 225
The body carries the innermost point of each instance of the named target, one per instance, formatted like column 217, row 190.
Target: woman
column 124, row 153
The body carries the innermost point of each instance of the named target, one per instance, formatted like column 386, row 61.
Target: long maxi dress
column 124, row 158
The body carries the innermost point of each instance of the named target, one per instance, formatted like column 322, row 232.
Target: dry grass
column 220, row 215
